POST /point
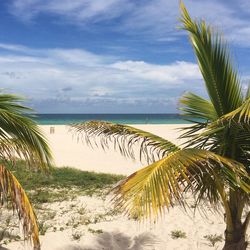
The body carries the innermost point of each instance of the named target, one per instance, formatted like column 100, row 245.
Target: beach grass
column 59, row 186
column 61, row 183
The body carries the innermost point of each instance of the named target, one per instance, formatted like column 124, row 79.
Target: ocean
column 62, row 119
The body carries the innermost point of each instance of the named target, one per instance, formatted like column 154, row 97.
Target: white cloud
column 160, row 73
column 100, row 91
column 77, row 10
column 157, row 19
column 14, row 47
column 68, row 75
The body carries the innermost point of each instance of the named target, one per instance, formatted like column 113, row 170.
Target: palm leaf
column 20, row 137
column 18, row 128
column 248, row 92
column 197, row 107
column 13, row 149
column 214, row 61
column 200, row 112
column 150, row 190
column 241, row 114
column 223, row 137
column 11, row 190
column 124, row 138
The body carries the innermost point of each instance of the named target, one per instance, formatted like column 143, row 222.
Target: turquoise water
column 61, row 119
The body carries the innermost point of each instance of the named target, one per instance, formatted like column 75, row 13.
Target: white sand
column 119, row 232
column 68, row 151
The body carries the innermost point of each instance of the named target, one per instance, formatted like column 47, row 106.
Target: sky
column 112, row 56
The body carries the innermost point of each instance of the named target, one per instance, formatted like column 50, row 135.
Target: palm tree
column 213, row 165
column 20, row 137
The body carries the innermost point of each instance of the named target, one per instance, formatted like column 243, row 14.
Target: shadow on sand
column 3, row 248
column 117, row 241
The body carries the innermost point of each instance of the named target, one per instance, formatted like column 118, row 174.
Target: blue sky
column 112, row 56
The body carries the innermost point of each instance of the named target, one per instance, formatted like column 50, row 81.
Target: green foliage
column 20, row 136
column 93, row 231
column 64, row 177
column 213, row 238
column 82, row 210
column 172, row 174
column 43, row 227
column 178, row 234
column 220, row 77
column 123, row 138
column 214, row 164
column 61, row 183
column 76, row 235
column 197, row 107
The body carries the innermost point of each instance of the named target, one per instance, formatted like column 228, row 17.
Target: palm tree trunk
column 236, row 239
column 235, row 234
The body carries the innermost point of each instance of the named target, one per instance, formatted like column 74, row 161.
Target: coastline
column 143, row 118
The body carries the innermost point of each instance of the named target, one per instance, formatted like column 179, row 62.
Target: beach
column 69, row 151
column 124, row 125
column 108, row 229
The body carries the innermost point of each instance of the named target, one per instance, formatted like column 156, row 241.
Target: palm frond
column 124, row 138
column 225, row 138
column 11, row 190
column 18, row 128
column 197, row 107
column 190, row 133
column 150, row 190
column 235, row 124
column 12, row 150
column 200, row 112
column 241, row 114
column 214, row 61
column 247, row 96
